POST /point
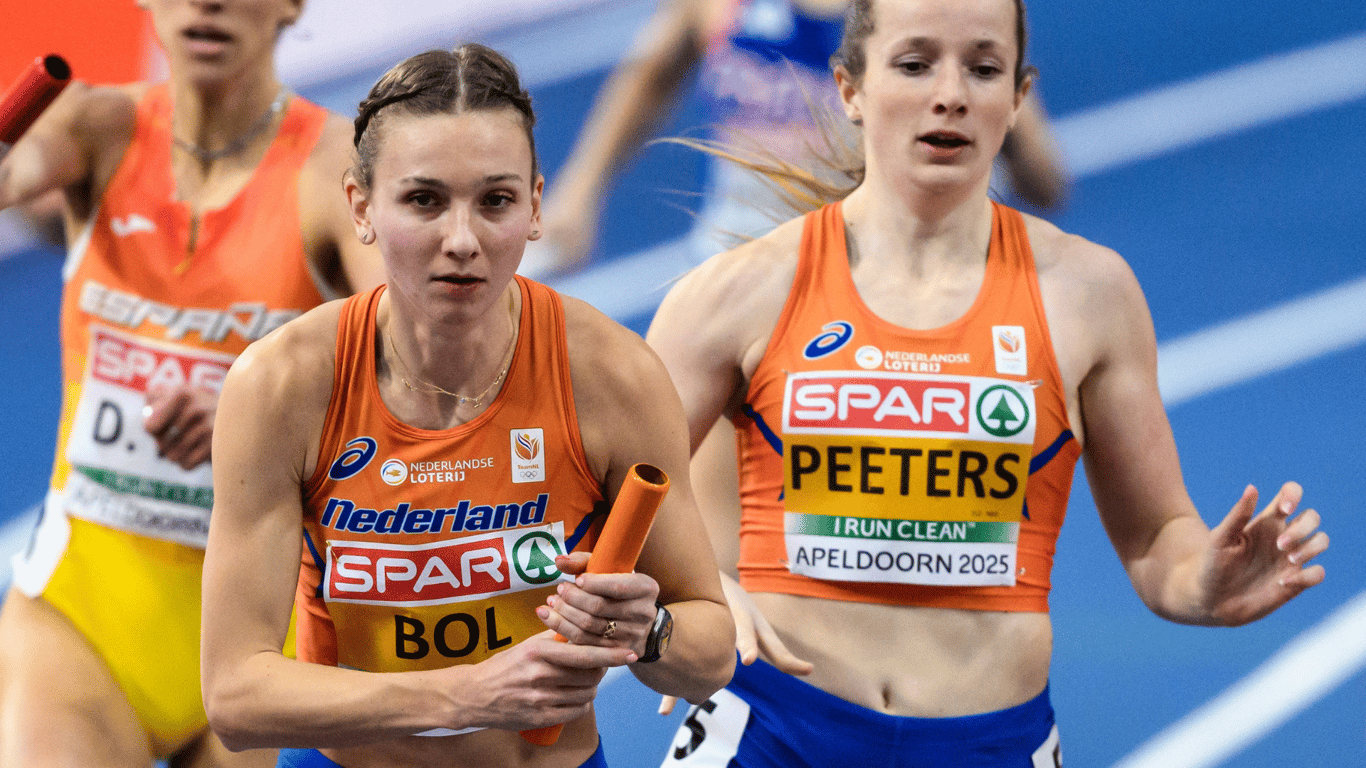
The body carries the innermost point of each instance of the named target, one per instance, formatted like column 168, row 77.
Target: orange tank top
column 880, row 464
column 141, row 310
column 425, row 549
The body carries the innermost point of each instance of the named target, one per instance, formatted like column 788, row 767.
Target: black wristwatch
column 657, row 642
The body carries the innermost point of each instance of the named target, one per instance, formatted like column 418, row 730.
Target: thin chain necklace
column 430, row 388
column 240, row 143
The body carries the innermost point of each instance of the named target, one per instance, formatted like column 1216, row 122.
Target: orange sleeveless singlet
column 881, row 464
column 141, row 310
column 426, row 548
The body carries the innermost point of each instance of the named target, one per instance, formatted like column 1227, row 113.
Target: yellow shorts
column 136, row 600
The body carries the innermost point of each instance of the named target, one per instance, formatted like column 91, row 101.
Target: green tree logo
column 530, row 558
column 1009, row 413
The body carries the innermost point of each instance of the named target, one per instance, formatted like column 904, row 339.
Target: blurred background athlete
column 201, row 213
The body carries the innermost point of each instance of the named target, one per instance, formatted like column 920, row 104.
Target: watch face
column 666, row 632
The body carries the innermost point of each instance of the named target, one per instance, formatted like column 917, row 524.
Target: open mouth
column 206, row 34
column 459, row 280
column 945, row 140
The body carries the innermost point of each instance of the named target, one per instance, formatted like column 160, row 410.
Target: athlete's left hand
column 1257, row 564
column 604, row 609
column 181, row 420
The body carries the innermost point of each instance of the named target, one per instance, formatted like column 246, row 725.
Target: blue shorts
column 770, row 719
column 312, row 758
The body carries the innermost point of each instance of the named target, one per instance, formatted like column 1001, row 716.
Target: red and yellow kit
column 425, row 549
column 147, row 304
column 887, row 465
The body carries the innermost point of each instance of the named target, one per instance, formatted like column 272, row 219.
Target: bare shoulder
column 290, row 369
column 605, row 358
column 332, row 153
column 1086, row 271
column 734, row 297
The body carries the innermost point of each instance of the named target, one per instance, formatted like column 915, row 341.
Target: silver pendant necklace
column 240, row 143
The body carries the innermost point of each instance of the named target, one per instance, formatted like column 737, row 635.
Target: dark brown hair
column 858, row 26
column 471, row 77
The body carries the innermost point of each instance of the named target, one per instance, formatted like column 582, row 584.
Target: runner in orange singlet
column 201, row 213
column 913, row 371
column 445, row 444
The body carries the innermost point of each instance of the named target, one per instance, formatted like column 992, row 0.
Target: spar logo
column 847, row 402
column 439, row 572
column 393, row 472
column 528, row 455
column 832, row 336
column 1002, row 411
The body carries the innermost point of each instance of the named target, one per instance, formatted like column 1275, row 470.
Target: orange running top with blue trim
column 427, row 548
column 882, row 464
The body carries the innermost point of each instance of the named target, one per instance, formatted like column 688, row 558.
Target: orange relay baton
column 618, row 548
column 38, row 85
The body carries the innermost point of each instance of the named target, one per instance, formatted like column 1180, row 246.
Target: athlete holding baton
column 445, row 443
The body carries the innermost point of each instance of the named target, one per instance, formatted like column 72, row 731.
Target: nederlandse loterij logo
column 528, row 455
column 868, row 357
column 1002, row 411
column 393, row 472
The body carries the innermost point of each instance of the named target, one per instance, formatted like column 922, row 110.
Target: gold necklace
column 473, row 402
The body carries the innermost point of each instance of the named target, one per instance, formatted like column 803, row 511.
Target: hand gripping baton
column 26, row 99
column 623, row 536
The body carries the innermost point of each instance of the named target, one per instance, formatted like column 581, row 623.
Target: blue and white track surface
column 1219, row 147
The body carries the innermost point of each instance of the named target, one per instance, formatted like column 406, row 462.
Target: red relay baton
column 623, row 536
column 38, row 85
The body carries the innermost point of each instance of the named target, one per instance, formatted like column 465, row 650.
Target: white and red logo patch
column 849, row 403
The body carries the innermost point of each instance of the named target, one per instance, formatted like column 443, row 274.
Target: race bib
column 905, row 478
column 400, row 607
column 118, row 477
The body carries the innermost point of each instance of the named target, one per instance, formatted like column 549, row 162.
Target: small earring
column 858, row 121
column 535, row 233
column 368, row 237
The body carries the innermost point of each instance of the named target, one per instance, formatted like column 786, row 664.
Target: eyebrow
column 928, row 42
column 495, row 178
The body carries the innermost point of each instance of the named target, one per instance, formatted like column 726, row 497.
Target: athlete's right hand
column 537, row 682
column 181, row 420
column 753, row 636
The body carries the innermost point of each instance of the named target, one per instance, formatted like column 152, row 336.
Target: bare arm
column 711, row 331
column 74, row 146
column 629, row 413
column 1244, row 569
column 272, row 410
column 634, row 101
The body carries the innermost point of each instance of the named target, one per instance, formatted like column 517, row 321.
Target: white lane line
column 1263, row 342
column 1214, row 105
column 1310, row 666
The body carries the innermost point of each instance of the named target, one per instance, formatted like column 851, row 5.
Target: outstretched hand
column 1257, row 564
column 753, row 636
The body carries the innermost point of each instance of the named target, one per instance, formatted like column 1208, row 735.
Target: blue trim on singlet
column 317, row 560
column 775, row 442
column 1048, row 454
column 809, row 42
column 573, row 539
